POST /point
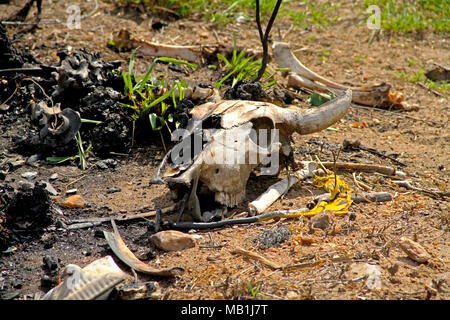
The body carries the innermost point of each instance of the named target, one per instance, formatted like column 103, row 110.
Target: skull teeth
column 230, row 199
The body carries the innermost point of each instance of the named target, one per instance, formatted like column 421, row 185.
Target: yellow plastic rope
column 340, row 198
column 339, row 201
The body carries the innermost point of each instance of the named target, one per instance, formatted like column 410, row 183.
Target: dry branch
column 407, row 185
column 388, row 171
column 92, row 222
column 362, row 198
column 275, row 191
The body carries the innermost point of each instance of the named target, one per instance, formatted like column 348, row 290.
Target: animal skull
column 224, row 141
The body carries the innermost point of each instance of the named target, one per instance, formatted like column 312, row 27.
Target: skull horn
column 316, row 119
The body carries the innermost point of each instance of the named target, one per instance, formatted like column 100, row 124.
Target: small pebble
column 51, row 262
column 25, row 185
column 242, row 19
column 30, row 175
column 106, row 164
column 172, row 240
column 33, row 158
column 75, row 201
column 50, row 189
column 113, row 190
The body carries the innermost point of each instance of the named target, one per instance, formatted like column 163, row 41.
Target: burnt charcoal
column 272, row 238
column 106, row 164
column 181, row 112
column 9, row 56
column 5, row 233
column 79, row 73
column 246, row 90
column 27, row 212
column 83, row 83
column 83, row 74
column 113, row 190
column 6, row 194
column 157, row 25
column 51, row 262
column 114, row 134
column 286, row 96
column 115, row 131
column 177, row 68
column 49, row 281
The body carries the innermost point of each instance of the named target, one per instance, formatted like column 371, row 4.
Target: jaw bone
column 302, row 77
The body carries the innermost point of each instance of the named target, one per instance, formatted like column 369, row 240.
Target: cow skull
column 224, row 141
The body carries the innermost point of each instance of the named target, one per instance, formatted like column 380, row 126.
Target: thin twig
column 434, row 123
column 429, row 89
column 150, row 213
column 256, row 256
column 9, row 98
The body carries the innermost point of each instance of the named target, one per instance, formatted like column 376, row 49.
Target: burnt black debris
column 272, row 238
column 98, row 88
column 80, row 72
column 27, row 211
column 246, row 90
column 10, row 57
column 181, row 112
column 157, row 25
column 80, row 83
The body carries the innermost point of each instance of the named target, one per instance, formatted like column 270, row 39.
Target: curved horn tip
column 328, row 114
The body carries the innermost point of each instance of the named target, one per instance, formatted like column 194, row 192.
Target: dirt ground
column 332, row 266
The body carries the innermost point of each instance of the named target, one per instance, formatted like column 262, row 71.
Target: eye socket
column 217, row 171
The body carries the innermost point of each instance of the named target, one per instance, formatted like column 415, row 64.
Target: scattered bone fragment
column 361, row 197
column 414, row 250
column 373, row 281
column 139, row 291
column 120, row 249
column 439, row 73
column 172, row 240
column 360, row 271
column 277, row 190
column 302, row 77
column 323, row 221
column 194, row 53
column 93, row 282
